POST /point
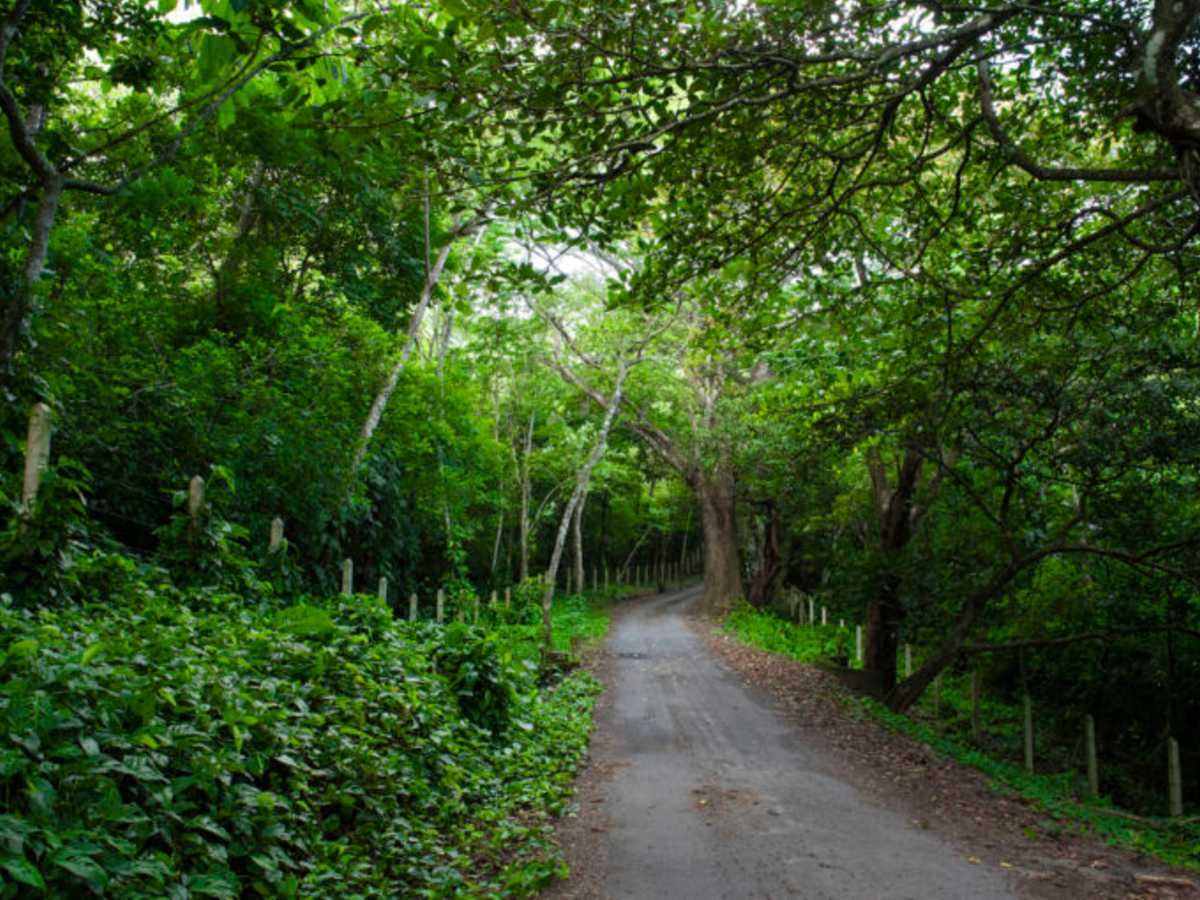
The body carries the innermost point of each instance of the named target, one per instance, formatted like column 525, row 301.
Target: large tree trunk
column 897, row 514
column 718, row 522
column 769, row 564
column 882, row 632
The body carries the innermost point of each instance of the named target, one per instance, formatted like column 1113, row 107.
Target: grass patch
column 824, row 644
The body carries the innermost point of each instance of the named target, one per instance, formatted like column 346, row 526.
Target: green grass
column 575, row 617
column 806, row 643
column 1174, row 841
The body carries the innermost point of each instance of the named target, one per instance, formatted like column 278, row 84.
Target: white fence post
column 37, row 454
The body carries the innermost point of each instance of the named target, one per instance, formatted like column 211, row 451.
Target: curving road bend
column 715, row 795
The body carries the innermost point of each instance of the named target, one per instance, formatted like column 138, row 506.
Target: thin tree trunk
column 379, row 404
column 19, row 308
column 578, row 531
column 227, row 271
column 603, row 529
column 769, row 563
column 895, row 509
column 523, row 477
column 683, row 548
column 637, row 546
column 577, row 495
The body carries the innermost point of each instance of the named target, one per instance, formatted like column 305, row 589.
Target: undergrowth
column 178, row 743
column 939, row 725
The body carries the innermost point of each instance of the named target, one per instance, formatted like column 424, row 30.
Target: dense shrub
column 172, row 745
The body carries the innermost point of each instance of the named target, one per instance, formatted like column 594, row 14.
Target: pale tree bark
column 434, row 275
column 713, row 486
column 577, row 531
column 503, row 501
column 582, row 477
column 718, row 524
column 384, row 394
column 713, row 483
column 525, row 491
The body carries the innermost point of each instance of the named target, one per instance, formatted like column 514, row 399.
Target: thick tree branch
column 1045, row 173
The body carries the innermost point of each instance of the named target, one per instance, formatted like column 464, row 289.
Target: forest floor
column 721, row 771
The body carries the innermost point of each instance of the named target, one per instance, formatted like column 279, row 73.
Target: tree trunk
column 718, row 522
column 578, row 530
column 882, row 633
column 19, row 308
column 582, row 477
column 897, row 514
column 603, row 543
column 907, row 692
column 762, row 586
column 523, row 477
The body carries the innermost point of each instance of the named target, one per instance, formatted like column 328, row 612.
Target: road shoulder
column 953, row 800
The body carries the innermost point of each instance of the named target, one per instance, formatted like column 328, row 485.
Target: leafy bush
column 158, row 746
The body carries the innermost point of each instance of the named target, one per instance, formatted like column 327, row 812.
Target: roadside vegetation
column 943, row 721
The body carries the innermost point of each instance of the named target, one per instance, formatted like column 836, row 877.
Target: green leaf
column 23, row 871
column 216, row 52
column 92, row 651
column 81, row 866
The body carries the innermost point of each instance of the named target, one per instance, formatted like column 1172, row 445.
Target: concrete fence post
column 475, row 608
column 1174, row 779
column 276, row 542
column 441, row 605
column 412, row 607
column 858, row 657
column 1093, row 769
column 383, row 586
column 976, row 690
column 347, row 576
column 195, row 501
column 908, row 660
column 1028, row 703
column 37, row 454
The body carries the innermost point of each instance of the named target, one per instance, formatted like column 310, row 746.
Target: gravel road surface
column 715, row 795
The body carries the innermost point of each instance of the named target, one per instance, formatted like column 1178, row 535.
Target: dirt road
column 714, row 795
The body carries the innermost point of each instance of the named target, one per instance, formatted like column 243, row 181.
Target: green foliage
column 161, row 748
column 826, row 644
